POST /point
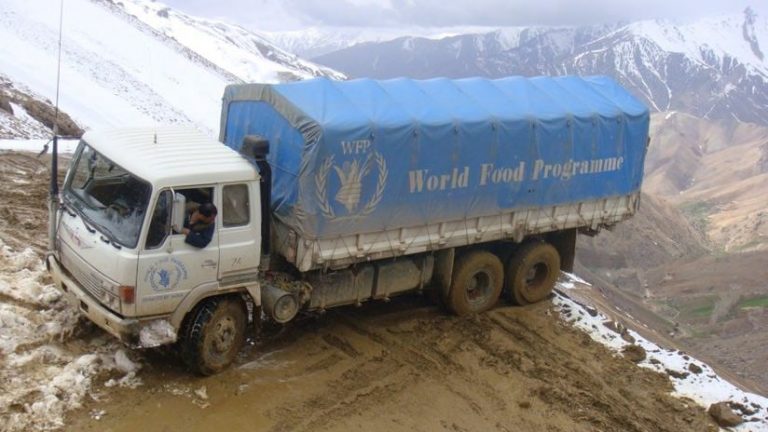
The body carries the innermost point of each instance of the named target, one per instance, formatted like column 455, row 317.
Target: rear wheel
column 476, row 284
column 532, row 272
column 213, row 335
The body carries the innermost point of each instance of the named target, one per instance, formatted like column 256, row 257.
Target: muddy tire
column 531, row 273
column 213, row 335
column 476, row 285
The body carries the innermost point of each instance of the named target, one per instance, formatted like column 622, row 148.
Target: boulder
column 724, row 415
column 634, row 353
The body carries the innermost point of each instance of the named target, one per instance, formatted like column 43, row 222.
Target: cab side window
column 236, row 209
column 160, row 225
column 195, row 197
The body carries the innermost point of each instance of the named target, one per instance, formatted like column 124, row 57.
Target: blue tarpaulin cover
column 363, row 156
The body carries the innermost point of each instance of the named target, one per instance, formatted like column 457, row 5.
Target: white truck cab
column 120, row 254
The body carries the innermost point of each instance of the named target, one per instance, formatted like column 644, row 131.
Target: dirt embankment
column 24, row 183
column 36, row 107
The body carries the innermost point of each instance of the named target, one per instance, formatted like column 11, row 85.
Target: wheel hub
column 478, row 287
column 224, row 334
column 536, row 274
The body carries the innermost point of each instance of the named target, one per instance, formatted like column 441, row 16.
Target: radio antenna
column 58, row 70
column 53, row 204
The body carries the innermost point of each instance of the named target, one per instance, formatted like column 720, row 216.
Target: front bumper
column 125, row 329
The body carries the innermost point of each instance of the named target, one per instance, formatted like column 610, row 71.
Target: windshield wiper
column 88, row 227
column 72, row 212
column 68, row 209
column 110, row 238
column 112, row 242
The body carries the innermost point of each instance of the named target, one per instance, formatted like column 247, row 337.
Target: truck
column 334, row 193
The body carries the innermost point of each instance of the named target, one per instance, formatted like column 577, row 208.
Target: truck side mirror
column 179, row 211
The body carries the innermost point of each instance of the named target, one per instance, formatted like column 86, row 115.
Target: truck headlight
column 111, row 300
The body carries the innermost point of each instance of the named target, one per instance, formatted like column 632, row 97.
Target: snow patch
column 37, row 145
column 124, row 364
column 158, row 333
column 46, row 371
column 705, row 388
column 571, row 280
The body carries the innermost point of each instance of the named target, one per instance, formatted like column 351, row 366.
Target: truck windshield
column 107, row 196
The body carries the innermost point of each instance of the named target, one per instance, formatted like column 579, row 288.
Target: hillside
column 657, row 235
column 135, row 62
column 713, row 68
column 692, row 262
column 720, row 307
column 716, row 172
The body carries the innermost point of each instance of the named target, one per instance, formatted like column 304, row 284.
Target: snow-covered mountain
column 246, row 54
column 133, row 62
column 712, row 67
column 316, row 41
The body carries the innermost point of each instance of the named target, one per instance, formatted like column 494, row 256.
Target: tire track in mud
column 421, row 350
column 359, row 388
column 409, row 361
column 474, row 359
column 24, row 191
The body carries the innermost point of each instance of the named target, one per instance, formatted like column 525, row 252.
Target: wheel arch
column 209, row 290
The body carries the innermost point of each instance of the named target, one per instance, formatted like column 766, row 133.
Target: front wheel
column 532, row 272
column 476, row 284
column 213, row 335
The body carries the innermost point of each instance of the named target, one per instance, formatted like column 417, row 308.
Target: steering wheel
column 119, row 208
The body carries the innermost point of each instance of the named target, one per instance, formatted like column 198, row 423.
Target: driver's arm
column 199, row 239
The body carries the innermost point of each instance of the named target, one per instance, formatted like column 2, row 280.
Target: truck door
column 239, row 231
column 168, row 267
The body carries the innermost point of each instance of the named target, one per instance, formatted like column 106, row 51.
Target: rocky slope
column 691, row 264
column 26, row 115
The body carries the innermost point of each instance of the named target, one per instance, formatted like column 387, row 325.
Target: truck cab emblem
column 166, row 274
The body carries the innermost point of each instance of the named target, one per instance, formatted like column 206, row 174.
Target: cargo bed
column 365, row 170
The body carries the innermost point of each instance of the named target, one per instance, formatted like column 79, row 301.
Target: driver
column 200, row 227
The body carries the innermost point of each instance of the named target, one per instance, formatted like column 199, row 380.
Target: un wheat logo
column 351, row 175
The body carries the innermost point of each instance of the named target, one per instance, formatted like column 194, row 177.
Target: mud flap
column 565, row 243
column 444, row 260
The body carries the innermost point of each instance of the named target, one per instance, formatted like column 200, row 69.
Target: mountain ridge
column 712, row 68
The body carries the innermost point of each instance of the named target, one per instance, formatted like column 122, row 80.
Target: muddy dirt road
column 404, row 365
column 407, row 366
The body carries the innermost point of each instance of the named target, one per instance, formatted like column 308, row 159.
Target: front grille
column 88, row 280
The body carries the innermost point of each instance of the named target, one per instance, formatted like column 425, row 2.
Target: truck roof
column 171, row 155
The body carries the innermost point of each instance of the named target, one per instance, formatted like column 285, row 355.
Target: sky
column 278, row 15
